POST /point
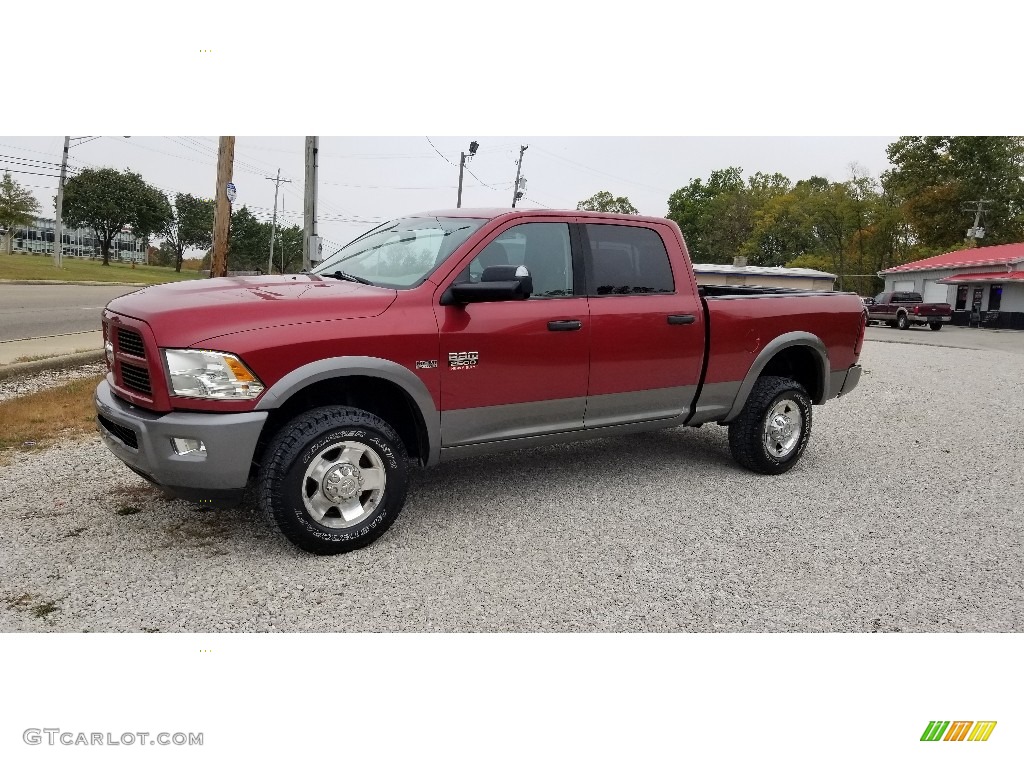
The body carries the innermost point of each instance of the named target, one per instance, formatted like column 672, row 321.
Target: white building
column 767, row 277
column 78, row 243
column 986, row 282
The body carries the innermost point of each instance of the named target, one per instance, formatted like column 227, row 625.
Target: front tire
column 772, row 430
column 333, row 479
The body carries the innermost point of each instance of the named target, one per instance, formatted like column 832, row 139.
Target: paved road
column 28, row 311
column 952, row 336
column 903, row 516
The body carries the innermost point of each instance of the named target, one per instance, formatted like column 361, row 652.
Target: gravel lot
column 904, row 515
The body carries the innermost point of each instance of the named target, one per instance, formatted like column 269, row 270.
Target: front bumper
column 218, row 476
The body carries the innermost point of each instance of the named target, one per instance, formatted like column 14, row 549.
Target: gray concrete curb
column 71, row 282
column 51, row 363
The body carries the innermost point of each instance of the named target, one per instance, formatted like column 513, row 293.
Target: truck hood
column 187, row 313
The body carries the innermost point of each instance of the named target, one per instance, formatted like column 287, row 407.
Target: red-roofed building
column 986, row 282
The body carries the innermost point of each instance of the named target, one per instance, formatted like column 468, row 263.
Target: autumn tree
column 107, row 201
column 607, row 203
column 936, row 178
column 17, row 208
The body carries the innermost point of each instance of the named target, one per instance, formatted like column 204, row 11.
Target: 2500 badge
column 462, row 360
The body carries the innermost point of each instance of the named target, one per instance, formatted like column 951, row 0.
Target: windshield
column 399, row 254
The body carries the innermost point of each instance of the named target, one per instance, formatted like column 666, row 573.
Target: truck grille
column 125, row 435
column 136, row 378
column 130, row 343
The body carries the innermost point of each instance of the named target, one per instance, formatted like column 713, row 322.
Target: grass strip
column 36, row 421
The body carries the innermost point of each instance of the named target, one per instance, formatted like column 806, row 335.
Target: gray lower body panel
column 504, row 422
column 500, row 446
column 611, row 410
column 219, row 474
column 471, row 426
column 715, row 402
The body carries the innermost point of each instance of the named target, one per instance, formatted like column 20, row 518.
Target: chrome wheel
column 783, row 427
column 343, row 485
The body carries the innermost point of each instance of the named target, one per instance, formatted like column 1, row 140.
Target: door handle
column 682, row 319
column 564, row 325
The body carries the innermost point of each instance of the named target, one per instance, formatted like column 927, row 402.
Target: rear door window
column 626, row 260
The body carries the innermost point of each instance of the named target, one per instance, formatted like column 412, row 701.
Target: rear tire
column 935, row 326
column 333, row 479
column 772, row 430
column 903, row 322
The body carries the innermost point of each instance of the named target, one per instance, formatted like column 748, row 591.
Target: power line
column 439, row 153
column 600, row 173
column 40, row 163
column 30, row 173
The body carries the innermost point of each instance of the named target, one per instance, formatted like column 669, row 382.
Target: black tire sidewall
column 746, row 433
column 285, row 486
column 803, row 402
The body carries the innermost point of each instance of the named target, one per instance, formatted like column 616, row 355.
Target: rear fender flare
column 771, row 349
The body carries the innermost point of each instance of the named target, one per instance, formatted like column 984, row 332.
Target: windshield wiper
column 346, row 276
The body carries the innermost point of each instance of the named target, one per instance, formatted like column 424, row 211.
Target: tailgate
column 934, row 310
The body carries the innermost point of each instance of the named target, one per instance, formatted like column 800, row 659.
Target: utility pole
column 222, row 211
column 473, row 147
column 278, row 181
column 977, row 232
column 57, row 250
column 516, row 194
column 309, row 204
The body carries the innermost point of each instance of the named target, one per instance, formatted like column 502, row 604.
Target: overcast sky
column 365, row 180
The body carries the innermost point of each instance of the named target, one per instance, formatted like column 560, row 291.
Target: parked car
column 451, row 334
column 902, row 309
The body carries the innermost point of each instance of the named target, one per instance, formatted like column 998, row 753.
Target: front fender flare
column 372, row 367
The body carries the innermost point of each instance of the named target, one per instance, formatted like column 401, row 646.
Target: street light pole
column 57, row 250
column 516, row 193
column 473, row 147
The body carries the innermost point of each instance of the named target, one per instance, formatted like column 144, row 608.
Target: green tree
column 719, row 217
column 607, row 203
column 108, row 201
column 249, row 242
column 694, row 209
column 17, row 208
column 191, row 226
column 288, row 248
column 936, row 177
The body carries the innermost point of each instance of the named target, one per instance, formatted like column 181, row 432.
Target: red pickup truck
column 449, row 334
column 902, row 309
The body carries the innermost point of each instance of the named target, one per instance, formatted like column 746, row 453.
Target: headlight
column 214, row 375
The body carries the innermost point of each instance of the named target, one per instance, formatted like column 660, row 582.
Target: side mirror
column 499, row 283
